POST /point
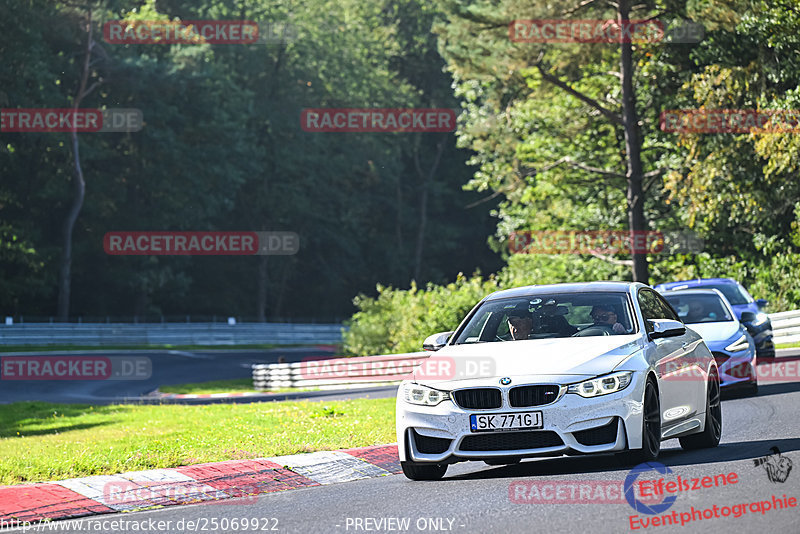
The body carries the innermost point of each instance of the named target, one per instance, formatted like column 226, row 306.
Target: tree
column 502, row 81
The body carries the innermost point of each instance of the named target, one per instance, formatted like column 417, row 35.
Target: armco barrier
column 169, row 334
column 785, row 326
column 363, row 371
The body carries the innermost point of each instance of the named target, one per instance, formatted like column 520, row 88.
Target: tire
column 651, row 430
column 712, row 433
column 420, row 471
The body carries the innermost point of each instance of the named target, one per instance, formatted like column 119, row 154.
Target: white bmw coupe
column 600, row 367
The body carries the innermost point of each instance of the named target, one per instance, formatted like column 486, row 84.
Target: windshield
column 733, row 292
column 549, row 316
column 694, row 309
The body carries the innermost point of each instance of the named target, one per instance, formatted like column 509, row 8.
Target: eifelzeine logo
column 180, row 32
column 201, row 243
column 378, row 120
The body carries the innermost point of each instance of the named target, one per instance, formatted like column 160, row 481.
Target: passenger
column 606, row 316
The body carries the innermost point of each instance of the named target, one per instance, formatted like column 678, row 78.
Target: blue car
column 749, row 311
column 708, row 312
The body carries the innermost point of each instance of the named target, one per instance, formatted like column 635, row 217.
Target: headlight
column 761, row 318
column 602, row 385
column 738, row 345
column 423, row 395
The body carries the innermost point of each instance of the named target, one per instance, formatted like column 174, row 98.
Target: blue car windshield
column 693, row 309
column 549, row 316
column 733, row 292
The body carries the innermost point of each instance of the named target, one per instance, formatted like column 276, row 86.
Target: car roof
column 582, row 287
column 697, row 282
column 697, row 291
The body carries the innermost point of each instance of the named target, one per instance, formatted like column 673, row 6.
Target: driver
column 607, row 317
column 520, row 326
column 697, row 312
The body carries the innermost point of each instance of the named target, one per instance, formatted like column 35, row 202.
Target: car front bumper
column 736, row 368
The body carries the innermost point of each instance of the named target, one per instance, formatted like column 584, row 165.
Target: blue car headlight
column 602, row 385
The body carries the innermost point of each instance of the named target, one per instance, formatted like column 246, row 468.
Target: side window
column 667, row 311
column 651, row 308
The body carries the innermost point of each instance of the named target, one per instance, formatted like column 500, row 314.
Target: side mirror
column 761, row 303
column 748, row 317
column 666, row 328
column 436, row 341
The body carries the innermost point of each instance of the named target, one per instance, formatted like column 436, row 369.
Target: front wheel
column 651, row 430
column 712, row 433
column 420, row 471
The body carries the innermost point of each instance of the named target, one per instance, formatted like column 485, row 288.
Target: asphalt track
column 474, row 497
column 166, row 367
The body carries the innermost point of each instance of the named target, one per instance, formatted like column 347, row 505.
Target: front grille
column 511, row 441
column 598, row 436
column 523, row 396
column 429, row 445
column 478, row 398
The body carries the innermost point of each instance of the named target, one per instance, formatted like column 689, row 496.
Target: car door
column 667, row 355
column 692, row 363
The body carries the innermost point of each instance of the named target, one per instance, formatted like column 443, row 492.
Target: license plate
column 505, row 421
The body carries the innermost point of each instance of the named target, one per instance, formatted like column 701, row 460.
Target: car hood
column 560, row 360
column 718, row 331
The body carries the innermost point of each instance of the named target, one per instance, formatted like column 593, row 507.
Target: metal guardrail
column 363, row 371
column 91, row 334
column 785, row 326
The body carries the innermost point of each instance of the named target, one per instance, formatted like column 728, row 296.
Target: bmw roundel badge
column 505, row 381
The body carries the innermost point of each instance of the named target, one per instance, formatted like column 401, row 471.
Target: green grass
column 236, row 385
column 788, row 345
column 42, row 441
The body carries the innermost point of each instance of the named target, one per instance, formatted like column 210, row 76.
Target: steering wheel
column 594, row 330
